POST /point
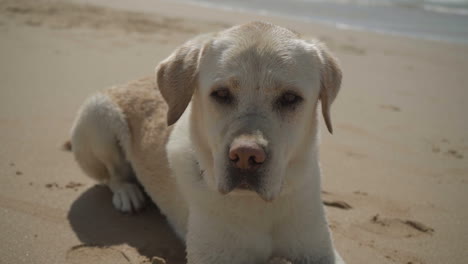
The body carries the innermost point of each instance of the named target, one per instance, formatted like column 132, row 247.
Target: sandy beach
column 395, row 169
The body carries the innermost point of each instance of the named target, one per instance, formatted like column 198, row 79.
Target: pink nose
column 246, row 155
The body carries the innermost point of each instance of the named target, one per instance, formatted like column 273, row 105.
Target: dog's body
column 245, row 103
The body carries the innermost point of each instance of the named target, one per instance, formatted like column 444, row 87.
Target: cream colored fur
column 122, row 132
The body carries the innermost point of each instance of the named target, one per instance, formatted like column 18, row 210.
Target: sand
column 395, row 170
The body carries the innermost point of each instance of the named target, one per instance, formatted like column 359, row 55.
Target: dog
column 224, row 139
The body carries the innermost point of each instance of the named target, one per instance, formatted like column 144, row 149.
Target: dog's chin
column 267, row 196
column 228, row 186
column 240, row 184
column 264, row 195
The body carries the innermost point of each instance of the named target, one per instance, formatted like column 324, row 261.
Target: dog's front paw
column 278, row 260
column 128, row 197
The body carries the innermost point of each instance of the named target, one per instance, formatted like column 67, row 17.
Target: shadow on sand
column 97, row 223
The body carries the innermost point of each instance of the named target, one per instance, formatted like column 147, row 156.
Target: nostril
column 256, row 160
column 235, row 159
column 233, row 156
column 253, row 161
column 260, row 157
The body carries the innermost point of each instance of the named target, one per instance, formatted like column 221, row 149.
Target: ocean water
column 442, row 20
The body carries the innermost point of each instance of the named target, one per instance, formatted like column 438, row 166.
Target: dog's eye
column 222, row 95
column 289, row 99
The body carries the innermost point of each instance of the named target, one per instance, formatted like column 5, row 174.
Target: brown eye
column 222, row 96
column 289, row 99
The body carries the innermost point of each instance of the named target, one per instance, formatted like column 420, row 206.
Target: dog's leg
column 304, row 250
column 304, row 237
column 277, row 260
column 127, row 195
column 219, row 238
column 98, row 138
column 326, row 260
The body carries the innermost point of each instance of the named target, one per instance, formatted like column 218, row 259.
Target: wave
column 440, row 22
column 446, row 10
column 455, row 7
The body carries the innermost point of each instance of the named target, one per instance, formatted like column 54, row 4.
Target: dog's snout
column 247, row 155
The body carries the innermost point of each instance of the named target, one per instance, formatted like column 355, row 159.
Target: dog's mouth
column 238, row 180
column 244, row 185
column 241, row 185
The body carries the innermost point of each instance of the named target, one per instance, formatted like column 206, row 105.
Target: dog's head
column 254, row 90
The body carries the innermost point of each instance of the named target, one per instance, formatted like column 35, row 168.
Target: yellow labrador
column 236, row 172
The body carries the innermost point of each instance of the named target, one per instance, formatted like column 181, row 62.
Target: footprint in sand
column 450, row 152
column 89, row 254
column 390, row 107
column 52, row 185
column 338, row 204
column 395, row 227
column 17, row 172
column 360, row 193
column 355, row 155
column 71, row 185
column 454, row 153
column 74, row 185
column 334, row 203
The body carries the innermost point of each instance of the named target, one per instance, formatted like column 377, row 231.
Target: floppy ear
column 330, row 82
column 177, row 78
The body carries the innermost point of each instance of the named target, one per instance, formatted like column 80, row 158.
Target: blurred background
column 429, row 19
